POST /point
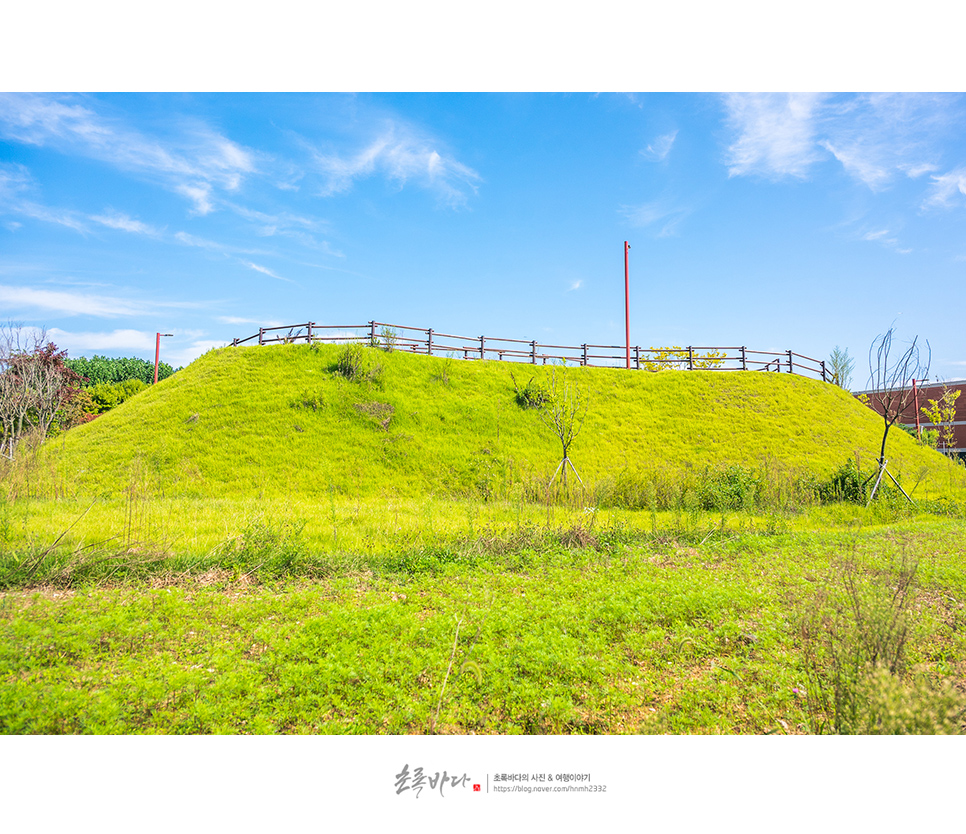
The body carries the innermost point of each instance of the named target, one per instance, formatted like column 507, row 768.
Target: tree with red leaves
column 34, row 384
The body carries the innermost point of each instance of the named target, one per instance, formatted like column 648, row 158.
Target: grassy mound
column 286, row 420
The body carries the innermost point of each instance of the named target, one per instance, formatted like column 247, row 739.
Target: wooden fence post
column 823, row 371
column 234, row 342
column 310, row 331
column 637, row 357
column 744, row 359
column 533, row 352
column 372, row 334
column 583, row 360
column 790, row 362
column 482, row 349
column 430, row 334
column 690, row 358
column 261, row 332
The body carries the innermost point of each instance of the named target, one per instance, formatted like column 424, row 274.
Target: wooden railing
column 432, row 342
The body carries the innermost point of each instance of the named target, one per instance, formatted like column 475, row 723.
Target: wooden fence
column 431, row 342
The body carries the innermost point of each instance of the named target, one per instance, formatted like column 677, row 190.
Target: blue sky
column 778, row 221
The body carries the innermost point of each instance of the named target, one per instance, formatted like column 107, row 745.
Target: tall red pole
column 915, row 398
column 627, row 305
column 157, row 355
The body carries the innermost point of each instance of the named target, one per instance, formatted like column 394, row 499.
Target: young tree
column 841, row 365
column 941, row 413
column 563, row 412
column 890, row 380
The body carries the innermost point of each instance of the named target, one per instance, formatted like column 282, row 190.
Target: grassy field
column 263, row 545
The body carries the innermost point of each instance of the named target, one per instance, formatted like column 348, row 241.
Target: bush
column 356, row 363
column 845, row 484
column 103, row 369
column 532, row 395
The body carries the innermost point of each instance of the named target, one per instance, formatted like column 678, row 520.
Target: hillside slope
column 280, row 420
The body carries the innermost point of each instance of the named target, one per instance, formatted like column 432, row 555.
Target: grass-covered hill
column 283, row 420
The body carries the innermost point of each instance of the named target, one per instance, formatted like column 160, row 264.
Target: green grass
column 633, row 635
column 261, row 544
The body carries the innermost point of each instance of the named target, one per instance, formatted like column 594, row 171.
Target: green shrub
column 103, row 369
column 532, row 395
column 847, row 483
column 356, row 363
column 107, row 395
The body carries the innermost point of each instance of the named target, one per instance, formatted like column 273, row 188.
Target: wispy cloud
column 946, row 189
column 193, row 165
column 874, row 137
column 402, row 154
column 113, row 340
column 117, row 220
column 886, row 238
column 776, row 133
column 659, row 149
column 266, row 271
column 69, row 303
column 668, row 216
column 258, row 322
column 16, row 298
column 575, row 285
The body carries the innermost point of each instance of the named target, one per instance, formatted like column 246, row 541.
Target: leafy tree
column 841, row 365
column 35, row 383
column 101, row 369
column 675, row 357
column 941, row 413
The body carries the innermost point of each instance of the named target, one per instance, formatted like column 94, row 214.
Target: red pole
column 627, row 306
column 157, row 355
column 915, row 397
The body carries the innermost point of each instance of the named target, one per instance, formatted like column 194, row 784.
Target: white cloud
column 266, row 271
column 116, row 220
column 873, row 136
column 402, row 154
column 257, row 322
column 668, row 216
column 776, row 133
column 946, row 189
column 192, row 165
column 575, row 285
column 200, row 195
column 114, row 340
column 69, row 303
column 660, row 148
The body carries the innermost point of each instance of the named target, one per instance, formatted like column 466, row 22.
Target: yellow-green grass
column 279, row 421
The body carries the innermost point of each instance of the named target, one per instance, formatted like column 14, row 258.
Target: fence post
column 583, row 360
column 637, row 357
column 533, row 352
column 310, row 331
column 790, row 362
column 690, row 358
column 430, row 333
column 482, row 348
column 261, row 332
column 744, row 359
column 823, row 371
column 372, row 334
column 234, row 342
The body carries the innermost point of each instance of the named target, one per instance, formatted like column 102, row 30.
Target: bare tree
column 563, row 412
column 890, row 380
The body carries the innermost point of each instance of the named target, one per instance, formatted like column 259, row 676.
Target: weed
column 854, row 645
